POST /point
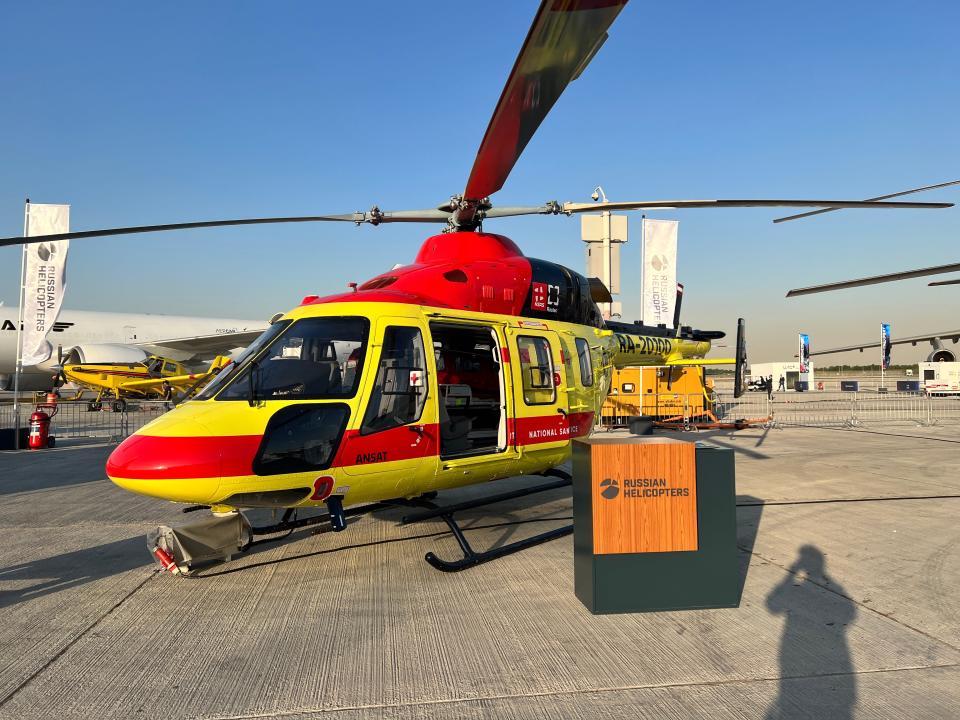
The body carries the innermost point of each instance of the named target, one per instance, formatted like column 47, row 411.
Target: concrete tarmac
column 849, row 543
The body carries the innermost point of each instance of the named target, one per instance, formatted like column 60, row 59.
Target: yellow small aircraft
column 154, row 377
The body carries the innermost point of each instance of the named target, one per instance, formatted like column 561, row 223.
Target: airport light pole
column 605, row 232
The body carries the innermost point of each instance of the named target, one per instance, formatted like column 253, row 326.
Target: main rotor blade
column 569, row 207
column 879, row 197
column 944, row 282
column 551, row 208
column 563, row 38
column 875, row 279
column 373, row 217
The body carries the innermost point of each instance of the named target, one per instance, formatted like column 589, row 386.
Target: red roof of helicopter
column 461, row 270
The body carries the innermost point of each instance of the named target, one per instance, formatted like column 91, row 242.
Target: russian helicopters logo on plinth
column 641, row 488
column 610, row 488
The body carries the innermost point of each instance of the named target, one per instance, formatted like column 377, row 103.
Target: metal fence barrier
column 687, row 409
column 74, row 419
column 789, row 409
column 858, row 409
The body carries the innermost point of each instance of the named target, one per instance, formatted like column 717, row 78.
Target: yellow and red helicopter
column 471, row 364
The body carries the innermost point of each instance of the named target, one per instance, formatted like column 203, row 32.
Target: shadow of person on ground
column 49, row 575
column 814, row 642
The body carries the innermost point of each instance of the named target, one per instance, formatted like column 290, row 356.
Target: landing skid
column 471, row 557
column 335, row 519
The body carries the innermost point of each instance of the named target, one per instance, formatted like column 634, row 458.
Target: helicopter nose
column 182, row 468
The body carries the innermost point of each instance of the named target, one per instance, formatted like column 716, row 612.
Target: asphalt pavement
column 849, row 545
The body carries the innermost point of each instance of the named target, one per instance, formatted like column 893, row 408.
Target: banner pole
column 19, row 364
column 883, row 352
column 643, row 266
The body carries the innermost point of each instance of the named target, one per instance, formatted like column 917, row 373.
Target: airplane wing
column 176, row 381
column 875, row 279
column 950, row 335
column 201, row 347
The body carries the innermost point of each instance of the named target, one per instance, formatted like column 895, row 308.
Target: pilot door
column 540, row 390
column 389, row 449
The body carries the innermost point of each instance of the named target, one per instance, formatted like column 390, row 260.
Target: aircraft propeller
column 60, row 379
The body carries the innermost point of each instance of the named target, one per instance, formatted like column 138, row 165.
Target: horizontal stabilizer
column 598, row 291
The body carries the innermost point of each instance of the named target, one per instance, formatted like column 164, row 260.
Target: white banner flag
column 44, row 280
column 659, row 271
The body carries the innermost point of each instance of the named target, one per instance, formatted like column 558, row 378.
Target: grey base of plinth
column 644, row 582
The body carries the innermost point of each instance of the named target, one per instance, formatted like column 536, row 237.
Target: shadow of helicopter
column 64, row 571
column 507, row 521
column 725, row 438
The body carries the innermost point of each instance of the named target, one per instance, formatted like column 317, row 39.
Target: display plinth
column 654, row 525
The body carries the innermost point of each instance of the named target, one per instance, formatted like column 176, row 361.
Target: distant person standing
column 783, row 383
column 769, row 387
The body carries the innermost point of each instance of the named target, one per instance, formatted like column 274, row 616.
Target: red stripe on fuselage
column 149, row 457
column 400, row 443
column 548, row 428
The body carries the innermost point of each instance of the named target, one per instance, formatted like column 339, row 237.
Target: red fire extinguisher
column 39, row 430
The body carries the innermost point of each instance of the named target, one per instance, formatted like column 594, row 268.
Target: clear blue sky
column 167, row 112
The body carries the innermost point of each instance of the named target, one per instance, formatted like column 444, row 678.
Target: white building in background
column 789, row 371
column 940, row 377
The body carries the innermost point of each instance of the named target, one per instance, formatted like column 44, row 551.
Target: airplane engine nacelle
column 106, row 353
column 941, row 355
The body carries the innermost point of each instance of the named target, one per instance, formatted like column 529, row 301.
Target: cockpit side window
column 400, row 390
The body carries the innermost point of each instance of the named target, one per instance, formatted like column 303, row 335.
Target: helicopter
column 471, row 364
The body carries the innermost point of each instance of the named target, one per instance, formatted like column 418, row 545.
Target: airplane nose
column 182, row 468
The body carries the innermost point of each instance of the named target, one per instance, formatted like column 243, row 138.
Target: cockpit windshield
column 230, row 370
column 312, row 359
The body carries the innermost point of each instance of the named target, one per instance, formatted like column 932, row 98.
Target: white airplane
column 938, row 352
column 107, row 337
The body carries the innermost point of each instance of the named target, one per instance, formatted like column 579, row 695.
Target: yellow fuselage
column 517, row 399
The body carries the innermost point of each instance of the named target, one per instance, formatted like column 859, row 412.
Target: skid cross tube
column 288, row 524
column 471, row 557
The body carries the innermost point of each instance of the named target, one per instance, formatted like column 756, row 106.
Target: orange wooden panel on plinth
column 644, row 496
